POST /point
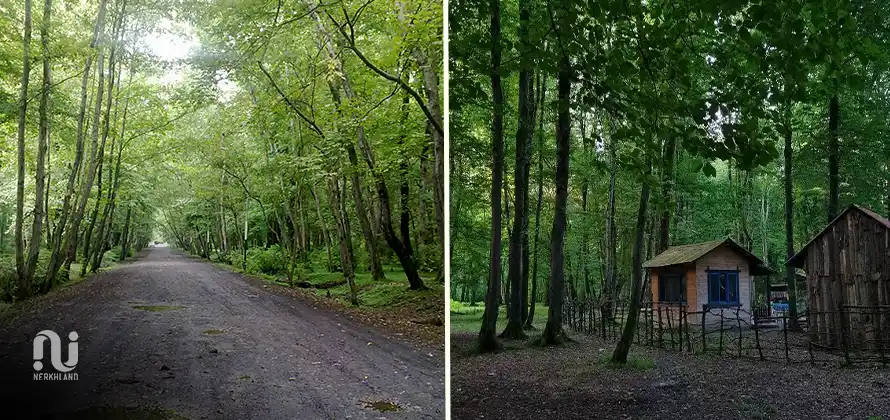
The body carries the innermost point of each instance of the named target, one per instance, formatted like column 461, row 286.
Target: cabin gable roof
column 798, row 259
column 684, row 254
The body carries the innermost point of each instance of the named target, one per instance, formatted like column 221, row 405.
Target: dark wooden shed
column 847, row 267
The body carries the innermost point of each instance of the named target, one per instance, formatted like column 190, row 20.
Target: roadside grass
column 391, row 292
column 7, row 279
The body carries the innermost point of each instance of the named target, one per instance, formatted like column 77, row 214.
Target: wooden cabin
column 847, row 266
column 711, row 279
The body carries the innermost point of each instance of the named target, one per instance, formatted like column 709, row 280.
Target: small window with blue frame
column 723, row 288
column 671, row 288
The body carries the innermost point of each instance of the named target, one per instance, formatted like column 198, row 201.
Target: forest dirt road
column 174, row 333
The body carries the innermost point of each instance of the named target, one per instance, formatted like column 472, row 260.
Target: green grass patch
column 244, row 377
column 382, row 406
column 471, row 320
column 158, row 308
column 212, row 332
column 378, row 294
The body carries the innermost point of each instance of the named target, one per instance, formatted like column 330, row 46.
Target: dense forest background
column 587, row 137
column 294, row 139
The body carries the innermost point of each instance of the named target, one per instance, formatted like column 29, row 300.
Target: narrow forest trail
column 223, row 348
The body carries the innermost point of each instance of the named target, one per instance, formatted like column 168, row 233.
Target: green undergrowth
column 391, row 292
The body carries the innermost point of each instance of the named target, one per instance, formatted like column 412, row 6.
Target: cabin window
column 723, row 288
column 671, row 288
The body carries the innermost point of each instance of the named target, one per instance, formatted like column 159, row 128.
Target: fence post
column 721, row 331
column 671, row 327
column 680, row 332
column 704, row 332
column 757, row 339
column 881, row 335
column 739, row 326
column 660, row 329
column 785, row 334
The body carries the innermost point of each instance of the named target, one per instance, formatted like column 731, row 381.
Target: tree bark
column 324, row 226
column 24, row 287
column 487, row 342
column 335, row 85
column 125, row 236
column 87, row 184
column 609, row 287
column 630, row 324
column 833, row 158
column 789, row 226
column 338, row 207
column 667, row 191
column 42, row 141
column 524, row 132
column 56, row 259
column 529, row 321
column 553, row 331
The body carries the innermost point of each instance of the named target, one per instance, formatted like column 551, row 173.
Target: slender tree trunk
column 833, row 157
column 529, row 321
column 125, row 236
column 42, row 142
column 324, row 226
column 24, row 287
column 610, row 287
column 487, row 342
column 335, row 87
column 630, row 324
column 338, row 207
column 789, row 224
column 56, row 259
column 429, row 69
column 87, row 183
column 667, row 191
column 404, row 190
column 553, row 331
column 524, row 132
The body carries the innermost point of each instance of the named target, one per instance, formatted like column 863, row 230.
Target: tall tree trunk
column 404, row 190
column 324, row 226
column 42, row 140
column 667, row 191
column 833, row 157
column 789, row 224
column 56, row 258
column 487, row 342
column 338, row 207
column 24, row 287
column 87, row 183
column 633, row 314
column 125, row 236
column 553, row 331
column 529, row 321
column 335, row 85
column 610, row 289
column 429, row 69
column 524, row 132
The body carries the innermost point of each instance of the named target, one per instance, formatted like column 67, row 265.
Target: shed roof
column 798, row 259
column 683, row 254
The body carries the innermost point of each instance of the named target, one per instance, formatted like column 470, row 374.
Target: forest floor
column 575, row 381
column 177, row 337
